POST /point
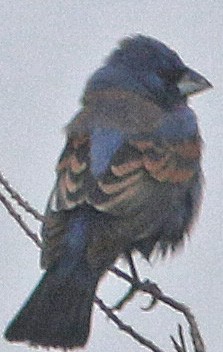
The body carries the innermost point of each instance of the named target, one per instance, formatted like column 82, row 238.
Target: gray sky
column 48, row 50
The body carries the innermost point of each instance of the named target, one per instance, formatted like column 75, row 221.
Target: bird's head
column 143, row 64
column 158, row 68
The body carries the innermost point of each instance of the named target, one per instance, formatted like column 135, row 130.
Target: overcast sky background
column 48, row 50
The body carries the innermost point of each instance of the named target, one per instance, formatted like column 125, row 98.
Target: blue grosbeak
column 129, row 179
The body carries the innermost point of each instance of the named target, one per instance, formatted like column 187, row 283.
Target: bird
column 129, row 179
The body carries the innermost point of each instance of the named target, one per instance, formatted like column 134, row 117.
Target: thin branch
column 194, row 331
column 23, row 203
column 122, row 274
column 182, row 340
column 182, row 346
column 176, row 345
column 18, row 219
column 128, row 329
column 154, row 290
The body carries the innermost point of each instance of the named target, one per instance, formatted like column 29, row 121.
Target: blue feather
column 104, row 144
column 179, row 125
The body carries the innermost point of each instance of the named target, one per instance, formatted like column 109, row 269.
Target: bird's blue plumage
column 75, row 240
column 178, row 126
column 129, row 179
column 104, row 144
column 142, row 65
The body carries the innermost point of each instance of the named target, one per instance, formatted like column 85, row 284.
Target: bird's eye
column 172, row 75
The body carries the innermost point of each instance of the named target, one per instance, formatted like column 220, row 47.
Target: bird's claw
column 151, row 305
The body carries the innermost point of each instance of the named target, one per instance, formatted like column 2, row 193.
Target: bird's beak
column 192, row 82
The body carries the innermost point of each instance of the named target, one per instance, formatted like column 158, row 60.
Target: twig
column 182, row 346
column 23, row 203
column 194, row 331
column 182, row 340
column 128, row 329
column 19, row 220
column 153, row 289
column 176, row 345
column 122, row 274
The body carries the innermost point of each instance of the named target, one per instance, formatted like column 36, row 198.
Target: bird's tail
column 58, row 312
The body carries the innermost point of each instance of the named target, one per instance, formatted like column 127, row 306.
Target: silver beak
column 192, row 82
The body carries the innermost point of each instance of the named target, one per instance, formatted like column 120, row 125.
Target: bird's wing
column 106, row 169
column 67, row 194
column 170, row 162
column 109, row 168
column 72, row 169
